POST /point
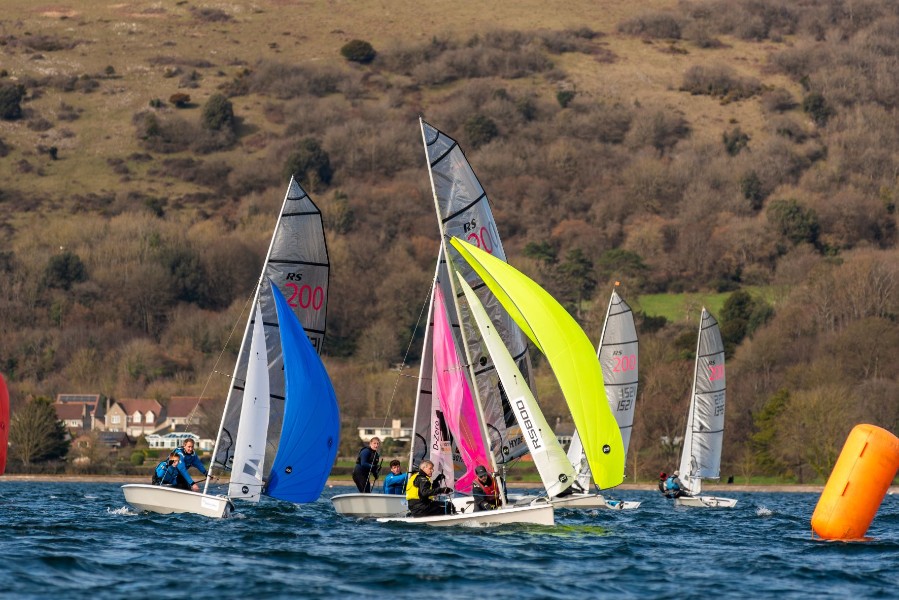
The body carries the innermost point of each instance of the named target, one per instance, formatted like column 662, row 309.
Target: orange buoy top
column 857, row 485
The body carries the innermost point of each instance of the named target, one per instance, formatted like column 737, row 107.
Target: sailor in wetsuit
column 420, row 492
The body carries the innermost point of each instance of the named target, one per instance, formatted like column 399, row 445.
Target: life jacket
column 412, row 486
column 489, row 490
column 670, row 484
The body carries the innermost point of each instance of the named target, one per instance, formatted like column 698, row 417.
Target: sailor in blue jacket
column 674, row 487
column 188, row 459
column 166, row 472
column 395, row 482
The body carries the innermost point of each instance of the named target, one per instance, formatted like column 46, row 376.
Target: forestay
column 464, row 211
column 297, row 262
column 701, row 455
column 569, row 352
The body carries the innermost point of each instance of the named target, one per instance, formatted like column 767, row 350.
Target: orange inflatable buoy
column 857, row 485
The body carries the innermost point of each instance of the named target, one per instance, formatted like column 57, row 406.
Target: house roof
column 65, row 412
column 93, row 399
column 142, row 405
column 383, row 423
column 113, row 437
column 183, row 406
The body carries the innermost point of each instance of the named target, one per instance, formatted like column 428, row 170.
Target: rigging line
column 216, row 364
column 406, row 356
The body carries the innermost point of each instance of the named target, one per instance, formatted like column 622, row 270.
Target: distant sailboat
column 618, row 357
column 701, row 454
column 4, row 423
column 280, row 426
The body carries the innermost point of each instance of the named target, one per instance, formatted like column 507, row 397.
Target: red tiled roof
column 142, row 405
column 72, row 410
column 182, row 406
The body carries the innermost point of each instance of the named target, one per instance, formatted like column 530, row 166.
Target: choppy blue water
column 80, row 540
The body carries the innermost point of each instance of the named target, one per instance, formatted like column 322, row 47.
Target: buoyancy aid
column 489, row 490
column 412, row 486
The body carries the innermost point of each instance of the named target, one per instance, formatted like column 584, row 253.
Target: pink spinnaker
column 455, row 397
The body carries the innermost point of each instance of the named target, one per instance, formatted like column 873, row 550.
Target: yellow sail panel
column 568, row 351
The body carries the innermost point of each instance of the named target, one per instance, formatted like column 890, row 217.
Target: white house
column 398, row 429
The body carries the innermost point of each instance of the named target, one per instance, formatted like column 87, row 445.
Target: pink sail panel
column 455, row 396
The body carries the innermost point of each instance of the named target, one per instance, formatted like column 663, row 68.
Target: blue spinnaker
column 311, row 429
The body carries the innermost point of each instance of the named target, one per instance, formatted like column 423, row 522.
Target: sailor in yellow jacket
column 420, row 492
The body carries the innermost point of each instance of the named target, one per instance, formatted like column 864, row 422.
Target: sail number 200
column 306, row 296
column 624, row 363
column 481, row 239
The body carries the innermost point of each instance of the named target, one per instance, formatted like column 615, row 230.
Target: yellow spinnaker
column 569, row 352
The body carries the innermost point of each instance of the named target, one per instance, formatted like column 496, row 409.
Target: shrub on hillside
column 218, row 113
column 63, row 270
column 11, row 96
column 719, row 81
column 309, row 163
column 735, row 140
column 358, row 51
column 657, row 25
column 480, row 130
column 816, row 106
column 795, row 222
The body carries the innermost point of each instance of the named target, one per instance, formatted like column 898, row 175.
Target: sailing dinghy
column 618, row 357
column 701, row 454
column 463, row 210
column 280, row 426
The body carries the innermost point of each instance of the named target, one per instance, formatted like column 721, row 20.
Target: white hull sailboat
column 166, row 500
column 704, row 438
column 280, row 425
column 460, row 201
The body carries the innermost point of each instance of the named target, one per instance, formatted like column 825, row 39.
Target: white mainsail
column 249, row 454
column 555, row 470
column 464, row 211
column 701, row 455
column 618, row 356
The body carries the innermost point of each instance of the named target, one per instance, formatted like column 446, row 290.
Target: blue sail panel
column 311, row 429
